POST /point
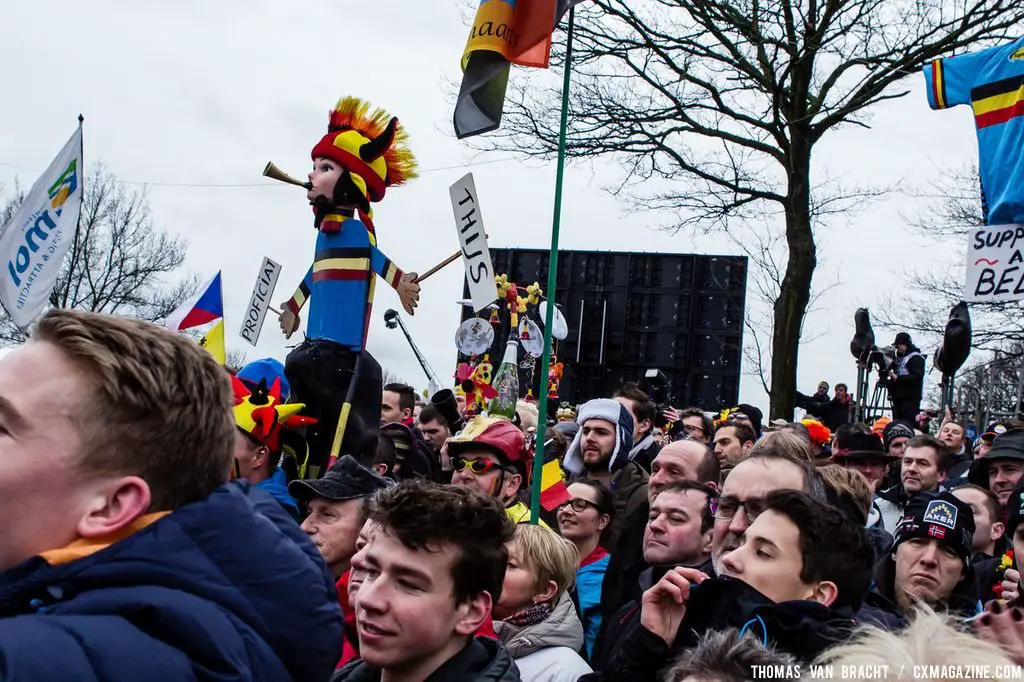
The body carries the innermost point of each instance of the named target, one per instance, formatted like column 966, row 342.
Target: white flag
column 34, row 243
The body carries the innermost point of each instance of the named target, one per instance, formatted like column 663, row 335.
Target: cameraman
column 906, row 379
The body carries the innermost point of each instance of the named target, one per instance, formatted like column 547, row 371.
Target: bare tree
column 722, row 103
column 118, row 262
column 990, row 391
column 923, row 306
column 390, row 377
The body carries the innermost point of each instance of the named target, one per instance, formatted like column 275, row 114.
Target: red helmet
column 496, row 435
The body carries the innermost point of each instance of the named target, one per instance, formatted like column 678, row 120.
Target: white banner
column 33, row 244
column 995, row 264
column 475, row 254
column 259, row 302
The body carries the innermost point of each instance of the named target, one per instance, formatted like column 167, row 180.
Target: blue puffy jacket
column 228, row 588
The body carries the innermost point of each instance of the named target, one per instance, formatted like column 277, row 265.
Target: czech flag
column 205, row 306
column 553, row 490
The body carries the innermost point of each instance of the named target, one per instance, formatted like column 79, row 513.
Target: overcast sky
column 208, row 92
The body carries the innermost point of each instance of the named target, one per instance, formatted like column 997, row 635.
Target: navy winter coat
column 228, row 588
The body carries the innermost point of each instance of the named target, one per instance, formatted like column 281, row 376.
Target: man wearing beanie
column 906, row 379
column 930, row 562
column 896, row 436
column 600, row 451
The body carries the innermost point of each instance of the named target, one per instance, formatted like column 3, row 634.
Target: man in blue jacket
column 125, row 555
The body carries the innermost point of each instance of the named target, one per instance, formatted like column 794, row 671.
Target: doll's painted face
column 323, row 177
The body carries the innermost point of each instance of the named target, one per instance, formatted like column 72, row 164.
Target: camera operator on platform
column 906, row 379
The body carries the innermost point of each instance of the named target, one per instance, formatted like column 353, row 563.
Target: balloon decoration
column 518, row 316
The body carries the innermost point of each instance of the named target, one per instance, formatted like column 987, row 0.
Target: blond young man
column 125, row 555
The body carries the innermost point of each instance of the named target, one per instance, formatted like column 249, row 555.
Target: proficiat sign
column 259, row 302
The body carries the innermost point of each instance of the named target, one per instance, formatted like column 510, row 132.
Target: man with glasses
column 696, row 424
column 744, row 491
column 490, row 456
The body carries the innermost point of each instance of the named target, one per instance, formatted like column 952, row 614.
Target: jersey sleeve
column 383, row 266
column 949, row 80
column 301, row 294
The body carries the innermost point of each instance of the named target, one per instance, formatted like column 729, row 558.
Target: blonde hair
column 154, row 404
column 785, row 442
column 548, row 555
column 930, row 640
column 849, row 483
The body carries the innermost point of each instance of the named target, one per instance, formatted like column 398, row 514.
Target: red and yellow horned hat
column 261, row 415
column 369, row 144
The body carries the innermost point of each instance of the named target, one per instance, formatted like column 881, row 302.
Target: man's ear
column 381, row 468
column 998, row 528
column 706, row 542
column 825, row 593
column 262, row 455
column 513, row 482
column 114, row 507
column 472, row 613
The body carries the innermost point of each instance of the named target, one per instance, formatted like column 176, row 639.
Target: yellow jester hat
column 369, row 144
column 261, row 414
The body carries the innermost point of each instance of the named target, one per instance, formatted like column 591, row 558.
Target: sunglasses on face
column 578, row 505
column 477, row 466
column 726, row 507
column 693, row 429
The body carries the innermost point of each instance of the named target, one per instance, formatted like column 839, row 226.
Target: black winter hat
column 897, row 429
column 754, row 414
column 938, row 516
column 904, row 339
column 1014, row 512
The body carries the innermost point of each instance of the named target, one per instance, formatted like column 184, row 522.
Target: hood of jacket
column 226, row 587
column 874, row 516
column 561, row 628
column 483, row 659
column 277, row 487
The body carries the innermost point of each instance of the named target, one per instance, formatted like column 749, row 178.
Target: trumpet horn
column 275, row 173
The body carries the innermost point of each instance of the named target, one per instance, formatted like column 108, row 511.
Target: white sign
column 259, row 302
column 475, row 254
column 33, row 244
column 995, row 264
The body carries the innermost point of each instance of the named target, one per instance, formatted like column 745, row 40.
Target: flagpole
column 556, row 223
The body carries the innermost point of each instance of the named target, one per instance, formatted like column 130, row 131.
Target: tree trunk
column 795, row 292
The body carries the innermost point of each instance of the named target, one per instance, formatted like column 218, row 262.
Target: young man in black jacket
column 800, row 572
column 430, row 572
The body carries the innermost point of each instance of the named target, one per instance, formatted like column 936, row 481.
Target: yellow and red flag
column 504, row 32
column 553, row 490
